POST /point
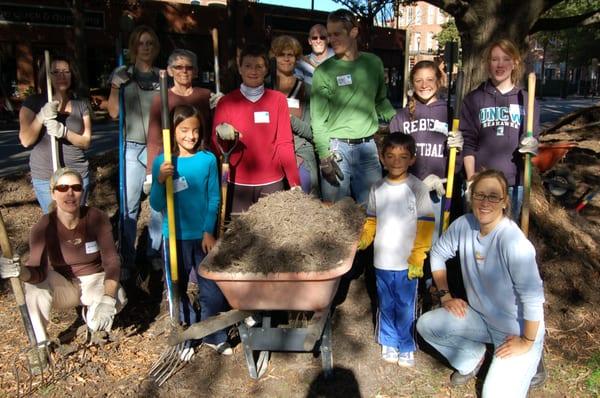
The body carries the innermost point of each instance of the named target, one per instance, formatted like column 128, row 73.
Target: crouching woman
column 73, row 260
column 504, row 291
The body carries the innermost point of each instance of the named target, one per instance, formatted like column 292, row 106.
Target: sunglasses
column 180, row 68
column 65, row 187
column 491, row 198
column 319, row 37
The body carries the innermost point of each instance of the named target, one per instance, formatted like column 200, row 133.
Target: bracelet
column 441, row 293
column 528, row 339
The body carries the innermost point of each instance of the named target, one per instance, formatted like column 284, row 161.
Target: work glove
column 368, row 233
column 225, row 131
column 147, row 184
column 415, row 271
column 10, row 267
column 102, row 313
column 331, row 171
column 455, row 140
column 468, row 191
column 119, row 77
column 529, row 145
column 186, row 351
column 55, row 128
column 48, row 112
column 214, row 99
column 435, row 183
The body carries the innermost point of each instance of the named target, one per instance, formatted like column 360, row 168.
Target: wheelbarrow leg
column 256, row 367
column 325, row 348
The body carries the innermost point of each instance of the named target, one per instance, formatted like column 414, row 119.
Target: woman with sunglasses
column 73, row 260
column 504, row 290
column 66, row 118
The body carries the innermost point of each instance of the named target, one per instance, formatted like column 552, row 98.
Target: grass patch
column 593, row 381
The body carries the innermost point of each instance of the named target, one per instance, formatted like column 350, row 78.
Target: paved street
column 14, row 158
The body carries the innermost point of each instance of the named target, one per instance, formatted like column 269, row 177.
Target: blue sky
column 322, row 5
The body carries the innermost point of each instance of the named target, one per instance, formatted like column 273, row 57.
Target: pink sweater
column 265, row 153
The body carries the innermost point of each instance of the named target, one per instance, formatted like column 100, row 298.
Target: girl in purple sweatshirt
column 425, row 118
column 493, row 121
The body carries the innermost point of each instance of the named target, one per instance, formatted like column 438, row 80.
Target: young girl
column 425, row 118
column 493, row 121
column 196, row 187
column 398, row 205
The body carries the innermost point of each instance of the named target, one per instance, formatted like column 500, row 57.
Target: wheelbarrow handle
column 224, row 183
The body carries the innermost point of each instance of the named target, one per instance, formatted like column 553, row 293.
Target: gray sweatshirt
column 499, row 271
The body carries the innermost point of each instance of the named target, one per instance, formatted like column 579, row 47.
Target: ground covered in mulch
column 568, row 257
column 289, row 232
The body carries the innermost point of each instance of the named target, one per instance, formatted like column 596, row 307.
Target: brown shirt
column 198, row 99
column 85, row 250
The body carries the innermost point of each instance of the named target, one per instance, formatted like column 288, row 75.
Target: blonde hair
column 284, row 42
column 58, row 174
column 510, row 48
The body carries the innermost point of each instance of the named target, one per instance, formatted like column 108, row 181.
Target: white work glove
column 225, row 131
column 186, row 351
column 10, row 267
column 435, row 183
column 456, row 141
column 55, row 128
column 529, row 145
column 119, row 77
column 214, row 99
column 147, row 184
column 102, row 313
column 468, row 191
column 48, row 112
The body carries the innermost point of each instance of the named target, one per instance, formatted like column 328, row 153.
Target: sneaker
column 457, row 379
column 389, row 354
column 222, row 348
column 406, row 359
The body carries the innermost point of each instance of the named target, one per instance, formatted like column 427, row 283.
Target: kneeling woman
column 73, row 260
column 504, row 290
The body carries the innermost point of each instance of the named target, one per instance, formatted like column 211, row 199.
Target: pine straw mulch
column 288, row 231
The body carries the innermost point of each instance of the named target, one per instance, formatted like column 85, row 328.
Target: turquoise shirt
column 197, row 196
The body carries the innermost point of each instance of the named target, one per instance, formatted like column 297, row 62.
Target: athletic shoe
column 406, row 359
column 389, row 354
column 457, row 379
column 222, row 348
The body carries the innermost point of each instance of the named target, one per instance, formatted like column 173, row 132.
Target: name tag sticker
column 180, row 184
column 514, row 109
column 91, row 247
column 293, row 103
column 261, row 117
column 440, row 127
column 344, row 80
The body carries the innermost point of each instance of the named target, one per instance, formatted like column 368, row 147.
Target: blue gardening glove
column 10, row 267
column 102, row 313
column 415, row 271
column 331, row 171
column 455, row 141
column 529, row 145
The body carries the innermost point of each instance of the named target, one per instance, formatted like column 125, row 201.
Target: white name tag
column 180, row 184
column 440, row 127
column 293, row 103
column 91, row 247
column 344, row 80
column 261, row 117
column 514, row 109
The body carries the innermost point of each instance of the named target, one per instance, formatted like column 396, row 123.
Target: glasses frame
column 64, row 188
column 183, row 68
column 323, row 38
column 478, row 196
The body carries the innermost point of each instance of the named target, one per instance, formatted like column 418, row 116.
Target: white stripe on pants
column 59, row 293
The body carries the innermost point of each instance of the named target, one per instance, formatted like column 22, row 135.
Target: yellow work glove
column 368, row 233
column 415, row 271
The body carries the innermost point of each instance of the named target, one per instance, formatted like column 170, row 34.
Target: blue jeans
column 436, row 204
column 462, row 341
column 44, row 197
column 135, row 174
column 515, row 193
column 396, row 297
column 361, row 168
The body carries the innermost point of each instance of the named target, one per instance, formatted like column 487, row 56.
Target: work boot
column 539, row 378
column 457, row 379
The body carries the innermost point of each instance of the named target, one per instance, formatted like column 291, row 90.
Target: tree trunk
column 80, row 47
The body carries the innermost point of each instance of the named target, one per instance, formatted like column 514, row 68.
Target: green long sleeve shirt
column 347, row 99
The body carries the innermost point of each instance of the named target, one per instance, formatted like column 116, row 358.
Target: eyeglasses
column 319, row 37
column 180, row 68
column 60, row 72
column 65, row 187
column 493, row 198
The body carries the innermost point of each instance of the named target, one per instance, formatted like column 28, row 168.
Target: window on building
column 417, row 41
column 429, row 42
column 441, row 18
column 409, row 15
column 418, row 16
column 431, row 14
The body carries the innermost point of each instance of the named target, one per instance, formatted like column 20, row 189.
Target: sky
column 322, row 5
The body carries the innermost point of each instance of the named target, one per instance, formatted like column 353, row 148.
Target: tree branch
column 546, row 24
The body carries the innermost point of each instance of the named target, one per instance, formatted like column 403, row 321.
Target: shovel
column 224, row 182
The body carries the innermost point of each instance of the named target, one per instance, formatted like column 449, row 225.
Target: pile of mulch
column 288, row 231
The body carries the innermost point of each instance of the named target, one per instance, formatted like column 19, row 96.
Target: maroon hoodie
column 493, row 124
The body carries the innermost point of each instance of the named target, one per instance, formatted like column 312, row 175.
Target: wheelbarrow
column 559, row 181
column 254, row 297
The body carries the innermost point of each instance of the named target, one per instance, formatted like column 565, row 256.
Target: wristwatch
column 440, row 293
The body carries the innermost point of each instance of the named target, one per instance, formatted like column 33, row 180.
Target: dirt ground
column 568, row 257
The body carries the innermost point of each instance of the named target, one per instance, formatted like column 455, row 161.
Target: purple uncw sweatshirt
column 493, row 124
column 429, row 128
